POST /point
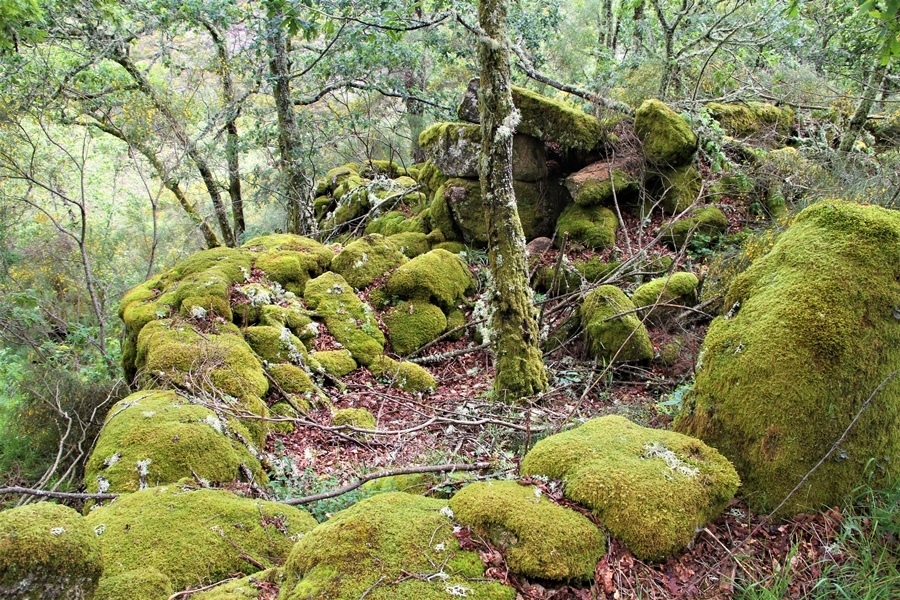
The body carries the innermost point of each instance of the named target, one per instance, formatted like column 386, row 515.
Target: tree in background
column 515, row 337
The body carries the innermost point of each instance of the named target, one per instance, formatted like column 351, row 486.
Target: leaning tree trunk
column 519, row 368
column 858, row 120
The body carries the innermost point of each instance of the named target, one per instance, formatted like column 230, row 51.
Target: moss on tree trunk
column 519, row 369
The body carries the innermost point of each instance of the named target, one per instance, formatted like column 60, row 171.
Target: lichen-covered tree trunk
column 517, row 358
column 858, row 120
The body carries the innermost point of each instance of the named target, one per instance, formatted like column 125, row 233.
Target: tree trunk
column 298, row 186
column 858, row 120
column 514, row 332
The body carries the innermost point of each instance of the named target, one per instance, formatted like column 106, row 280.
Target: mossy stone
column 437, row 276
column 168, row 438
column 537, row 538
column 293, row 318
column 275, row 344
column 385, row 168
column 395, row 222
column 292, row 379
column 603, row 183
column 456, row 321
column 810, row 331
column 290, row 260
column 336, row 362
column 709, row 221
column 411, row 325
column 354, row 417
column 407, row 376
column 232, row 263
column 591, row 226
column 367, row 548
column 667, row 138
column 364, row 260
column 351, row 321
column 650, row 488
column 193, row 537
column 677, row 189
column 677, row 288
column 141, row 584
column 411, row 244
column 742, row 120
column 246, row 588
column 47, row 551
column 454, row 148
column 613, row 337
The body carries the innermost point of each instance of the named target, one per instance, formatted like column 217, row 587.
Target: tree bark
column 514, row 332
column 858, row 120
column 298, row 186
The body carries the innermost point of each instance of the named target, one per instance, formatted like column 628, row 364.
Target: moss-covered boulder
column 411, row 325
column 146, row 583
column 678, row 288
column 291, row 379
column 749, row 118
column 537, row 538
column 455, row 148
column 156, row 438
column 651, row 488
column 667, row 138
column 612, row 327
column 810, row 332
column 173, row 353
column 258, row 585
column 405, row 375
column 354, row 417
column 368, row 548
column 47, row 552
column 366, row 259
column 602, row 183
column 275, row 344
column 194, row 537
column 350, row 320
column 411, row 244
column 396, row 221
column 291, row 260
column 336, row 362
column 676, row 189
column 438, row 277
column 544, row 118
column 709, row 222
column 591, row 226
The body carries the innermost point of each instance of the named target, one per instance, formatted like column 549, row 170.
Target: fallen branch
column 389, row 473
column 59, row 495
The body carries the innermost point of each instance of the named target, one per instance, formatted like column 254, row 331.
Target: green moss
column 411, row 325
column 47, row 551
column 458, row 212
column 593, row 227
column 275, row 344
column 395, row 222
column 354, row 417
column 172, row 353
column 364, row 260
column 810, row 332
column 666, row 137
column 599, row 192
column 742, row 120
column 594, row 269
column 367, row 548
column 231, row 263
column 290, row 260
column 273, row 315
column 336, row 362
column 431, row 177
column 624, row 337
column 139, row 294
column 709, row 221
column 552, row 121
column 651, row 488
column 438, row 276
column 451, row 247
column 386, row 168
column 194, row 537
column 172, row 439
column 670, row 352
column 349, row 319
column 536, row 537
column 677, row 288
column 455, row 320
column 291, row 379
column 407, row 376
column 677, row 188
column 453, row 147
column 245, row 588
column 410, row 244
column 141, row 584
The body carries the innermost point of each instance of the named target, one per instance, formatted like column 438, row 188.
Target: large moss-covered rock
column 455, row 148
column 194, row 537
column 290, row 260
column 411, row 325
column 651, row 488
column 146, row 583
column 591, row 226
column 245, row 588
column 350, row 320
column 395, row 221
column 749, row 118
column 354, row 417
column 159, row 437
column 536, row 537
column 366, row 259
column 367, row 549
column 544, row 118
column 47, row 552
column 438, row 277
column 676, row 189
column 172, row 353
column 613, row 328
column 666, row 137
column 275, row 344
column 811, row 329
column 336, row 362
column 709, row 221
column 677, row 288
column 602, row 183
column 405, row 375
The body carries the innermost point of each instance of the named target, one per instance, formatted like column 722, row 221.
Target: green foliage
column 285, row 482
